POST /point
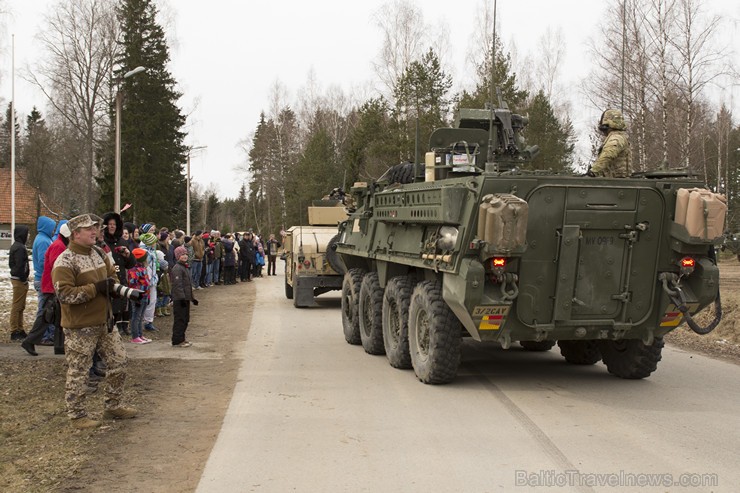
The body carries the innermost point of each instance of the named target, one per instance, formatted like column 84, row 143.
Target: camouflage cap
column 83, row 221
column 613, row 119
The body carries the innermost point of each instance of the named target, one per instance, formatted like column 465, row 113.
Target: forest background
column 671, row 52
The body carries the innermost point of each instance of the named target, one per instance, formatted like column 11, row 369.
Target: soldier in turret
column 614, row 159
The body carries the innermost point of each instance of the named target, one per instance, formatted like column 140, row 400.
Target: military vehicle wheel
column 401, row 173
column 434, row 335
column 537, row 346
column 333, row 257
column 350, row 300
column 396, row 302
column 371, row 314
column 630, row 358
column 580, row 352
column 288, row 291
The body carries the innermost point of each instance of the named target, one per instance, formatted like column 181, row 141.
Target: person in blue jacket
column 45, row 227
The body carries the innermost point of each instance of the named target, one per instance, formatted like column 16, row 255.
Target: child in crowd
column 182, row 296
column 138, row 278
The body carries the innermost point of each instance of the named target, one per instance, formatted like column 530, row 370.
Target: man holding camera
column 83, row 278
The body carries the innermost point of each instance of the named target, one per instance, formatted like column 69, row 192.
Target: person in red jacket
column 47, row 291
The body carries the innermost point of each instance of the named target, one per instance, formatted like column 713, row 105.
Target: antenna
column 489, row 157
column 624, row 46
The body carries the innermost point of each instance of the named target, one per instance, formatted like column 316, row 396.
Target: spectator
column 148, row 242
column 45, row 227
column 82, row 276
column 218, row 255
column 47, row 289
column 19, row 272
column 122, row 260
column 130, row 229
column 272, row 250
column 138, row 278
column 246, row 256
column 229, row 260
column 182, row 296
column 196, row 265
column 163, row 287
column 208, row 260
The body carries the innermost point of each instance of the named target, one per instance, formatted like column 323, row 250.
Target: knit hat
column 139, row 253
column 187, row 239
column 198, row 232
column 163, row 236
column 64, row 230
column 180, row 251
column 145, row 228
column 206, row 236
column 148, row 239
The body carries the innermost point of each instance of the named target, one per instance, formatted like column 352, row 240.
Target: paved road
column 311, row 413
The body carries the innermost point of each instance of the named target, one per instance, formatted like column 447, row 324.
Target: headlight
column 447, row 238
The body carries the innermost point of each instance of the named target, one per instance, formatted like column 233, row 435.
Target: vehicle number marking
column 482, row 310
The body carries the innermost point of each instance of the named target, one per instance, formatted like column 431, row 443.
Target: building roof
column 28, row 207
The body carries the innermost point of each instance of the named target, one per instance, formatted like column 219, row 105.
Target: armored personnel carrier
column 470, row 245
column 311, row 267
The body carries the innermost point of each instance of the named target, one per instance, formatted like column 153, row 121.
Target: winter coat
column 272, row 247
column 74, row 275
column 138, row 278
column 44, row 231
column 198, row 248
column 218, row 249
column 18, row 255
column 246, row 250
column 229, row 255
column 182, row 287
column 56, row 248
column 120, row 263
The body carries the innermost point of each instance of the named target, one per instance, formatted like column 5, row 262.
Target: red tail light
column 498, row 262
column 688, row 263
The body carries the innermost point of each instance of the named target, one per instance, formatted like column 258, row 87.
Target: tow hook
column 672, row 288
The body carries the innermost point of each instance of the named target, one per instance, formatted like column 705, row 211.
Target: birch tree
column 79, row 42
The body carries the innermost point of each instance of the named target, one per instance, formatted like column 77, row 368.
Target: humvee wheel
column 371, row 314
column 630, row 358
column 580, row 352
column 396, row 302
column 401, row 173
column 288, row 290
column 537, row 346
column 434, row 335
column 350, row 300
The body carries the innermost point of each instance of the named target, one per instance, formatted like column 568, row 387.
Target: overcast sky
column 227, row 54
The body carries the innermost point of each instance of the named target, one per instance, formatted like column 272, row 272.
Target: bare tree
column 699, row 63
column 404, row 37
column 80, row 44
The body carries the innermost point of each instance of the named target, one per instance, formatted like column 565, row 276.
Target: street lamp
column 117, row 170
column 187, row 198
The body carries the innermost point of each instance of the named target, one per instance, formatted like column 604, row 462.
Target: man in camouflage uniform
column 83, row 276
column 614, row 159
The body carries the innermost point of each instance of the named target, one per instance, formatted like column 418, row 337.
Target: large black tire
column 630, row 358
column 545, row 345
column 371, row 314
column 401, row 173
column 396, row 302
column 333, row 257
column 435, row 335
column 350, row 301
column 580, row 352
column 288, row 290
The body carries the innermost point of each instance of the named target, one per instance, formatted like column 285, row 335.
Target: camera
column 120, row 249
column 121, row 291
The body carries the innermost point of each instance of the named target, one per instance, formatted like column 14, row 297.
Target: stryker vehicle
column 732, row 243
column 472, row 245
column 311, row 267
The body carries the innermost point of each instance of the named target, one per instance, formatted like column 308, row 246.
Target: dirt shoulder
column 181, row 395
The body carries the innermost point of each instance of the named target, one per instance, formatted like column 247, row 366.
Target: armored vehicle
column 472, row 245
column 311, row 267
column 732, row 243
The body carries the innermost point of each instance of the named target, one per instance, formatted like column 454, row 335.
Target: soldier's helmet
column 611, row 120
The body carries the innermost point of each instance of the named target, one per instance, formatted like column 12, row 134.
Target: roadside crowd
column 100, row 280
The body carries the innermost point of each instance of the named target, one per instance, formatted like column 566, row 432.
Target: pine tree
column 503, row 78
column 555, row 140
column 5, row 136
column 370, row 146
column 152, row 149
column 38, row 152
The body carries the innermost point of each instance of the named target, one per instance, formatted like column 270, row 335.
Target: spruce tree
column 5, row 136
column 152, row 149
column 555, row 140
column 38, row 152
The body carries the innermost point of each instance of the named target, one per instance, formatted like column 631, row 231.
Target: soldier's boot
column 84, row 423
column 119, row 413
